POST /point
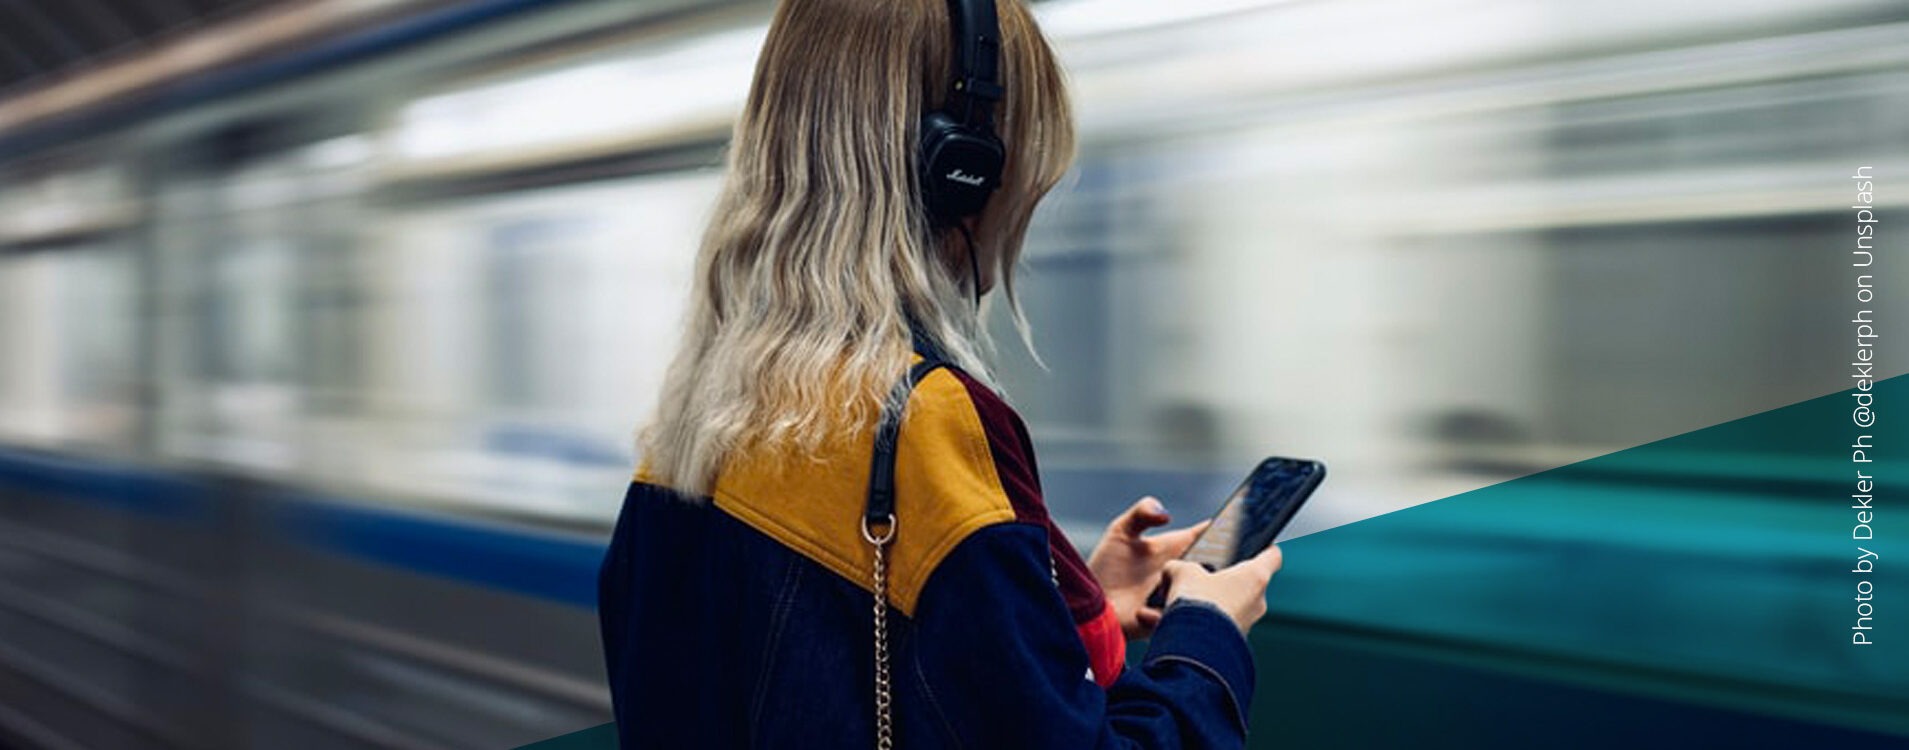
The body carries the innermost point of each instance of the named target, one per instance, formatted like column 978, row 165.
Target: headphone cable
column 974, row 264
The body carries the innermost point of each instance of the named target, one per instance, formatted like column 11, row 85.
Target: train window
column 1063, row 285
column 1656, row 320
column 255, row 287
column 533, row 271
column 1099, row 257
column 522, row 335
column 68, row 313
column 67, row 321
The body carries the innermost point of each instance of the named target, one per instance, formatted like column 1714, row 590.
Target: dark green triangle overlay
column 1692, row 590
column 600, row 737
column 1702, row 581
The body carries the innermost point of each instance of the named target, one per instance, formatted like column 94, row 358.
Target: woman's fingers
column 1174, row 576
column 1145, row 513
column 1149, row 618
column 1178, row 570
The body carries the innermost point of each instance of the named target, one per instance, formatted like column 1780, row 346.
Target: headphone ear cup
column 960, row 168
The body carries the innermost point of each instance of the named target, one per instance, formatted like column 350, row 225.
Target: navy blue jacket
column 743, row 619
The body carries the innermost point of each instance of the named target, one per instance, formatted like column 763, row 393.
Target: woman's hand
column 1239, row 591
column 1128, row 565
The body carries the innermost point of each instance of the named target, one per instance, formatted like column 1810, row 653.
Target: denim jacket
column 743, row 619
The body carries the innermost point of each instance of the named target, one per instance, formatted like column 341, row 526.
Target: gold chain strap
column 884, row 721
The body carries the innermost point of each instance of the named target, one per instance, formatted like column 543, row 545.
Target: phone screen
column 1257, row 511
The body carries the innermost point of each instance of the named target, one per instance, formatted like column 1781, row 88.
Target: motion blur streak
column 321, row 364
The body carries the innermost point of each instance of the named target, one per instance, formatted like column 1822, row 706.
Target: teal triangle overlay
column 600, row 737
column 1695, row 590
column 1710, row 570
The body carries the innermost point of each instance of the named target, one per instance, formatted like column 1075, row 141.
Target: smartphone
column 1254, row 515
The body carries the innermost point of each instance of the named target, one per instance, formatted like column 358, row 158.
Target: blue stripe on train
column 548, row 565
column 153, row 494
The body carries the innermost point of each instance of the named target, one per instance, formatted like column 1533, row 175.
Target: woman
column 880, row 181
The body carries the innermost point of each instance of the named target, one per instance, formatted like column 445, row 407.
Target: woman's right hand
column 1239, row 591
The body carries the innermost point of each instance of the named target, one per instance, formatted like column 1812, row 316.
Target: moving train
column 321, row 374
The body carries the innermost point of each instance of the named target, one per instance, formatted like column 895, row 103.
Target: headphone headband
column 977, row 48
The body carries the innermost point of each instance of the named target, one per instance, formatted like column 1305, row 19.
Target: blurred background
column 325, row 325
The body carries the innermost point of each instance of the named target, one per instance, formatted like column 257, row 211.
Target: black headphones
column 961, row 157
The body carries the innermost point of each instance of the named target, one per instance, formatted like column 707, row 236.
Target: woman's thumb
column 1268, row 561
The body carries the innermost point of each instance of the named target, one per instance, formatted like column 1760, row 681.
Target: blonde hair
column 819, row 252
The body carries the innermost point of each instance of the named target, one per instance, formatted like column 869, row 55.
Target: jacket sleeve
column 998, row 654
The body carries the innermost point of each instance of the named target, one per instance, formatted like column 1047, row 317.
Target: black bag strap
column 881, row 473
column 878, row 528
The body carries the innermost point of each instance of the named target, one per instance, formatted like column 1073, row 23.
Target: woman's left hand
column 1128, row 564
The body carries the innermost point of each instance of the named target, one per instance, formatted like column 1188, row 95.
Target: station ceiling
column 42, row 41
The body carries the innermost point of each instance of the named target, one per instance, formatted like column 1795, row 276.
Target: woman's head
column 820, row 251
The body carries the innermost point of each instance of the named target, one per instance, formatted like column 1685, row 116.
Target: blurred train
column 320, row 378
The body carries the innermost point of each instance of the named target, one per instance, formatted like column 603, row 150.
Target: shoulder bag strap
column 878, row 529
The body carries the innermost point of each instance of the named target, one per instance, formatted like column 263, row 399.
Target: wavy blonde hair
column 820, row 252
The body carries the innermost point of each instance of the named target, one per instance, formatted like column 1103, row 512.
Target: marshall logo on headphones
column 964, row 178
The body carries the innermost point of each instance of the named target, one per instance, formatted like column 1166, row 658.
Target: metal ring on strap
column 887, row 536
